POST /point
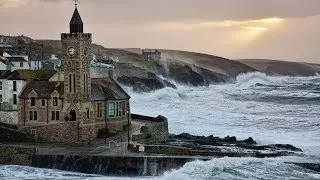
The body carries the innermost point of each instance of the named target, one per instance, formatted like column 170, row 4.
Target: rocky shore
column 190, row 145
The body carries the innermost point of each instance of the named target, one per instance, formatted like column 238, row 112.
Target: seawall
column 126, row 165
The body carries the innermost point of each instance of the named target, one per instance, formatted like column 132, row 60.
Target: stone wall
column 16, row 155
column 9, row 117
column 155, row 130
column 158, row 130
column 60, row 132
column 66, row 132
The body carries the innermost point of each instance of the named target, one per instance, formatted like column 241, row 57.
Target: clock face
column 71, row 51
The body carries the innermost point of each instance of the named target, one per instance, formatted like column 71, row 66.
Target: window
column 88, row 114
column 84, row 83
column 55, row 115
column 119, row 109
column 99, row 109
column 43, row 102
column 70, row 83
column 21, row 64
column 15, row 100
column 123, row 108
column 55, row 101
column 74, row 82
column 0, row 85
column 33, row 115
column 33, row 101
column 1, row 98
column 111, row 109
column 14, row 85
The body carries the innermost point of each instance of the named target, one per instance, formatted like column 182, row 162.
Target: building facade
column 151, row 54
column 76, row 108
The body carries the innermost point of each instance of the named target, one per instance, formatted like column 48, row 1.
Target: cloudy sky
column 273, row 29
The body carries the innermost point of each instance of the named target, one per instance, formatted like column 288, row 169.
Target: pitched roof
column 44, row 89
column 16, row 59
column 107, row 89
column 101, row 90
column 76, row 24
column 4, row 74
column 24, row 74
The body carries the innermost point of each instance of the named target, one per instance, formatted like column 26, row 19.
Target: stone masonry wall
column 16, row 155
column 9, row 117
column 60, row 132
column 158, row 130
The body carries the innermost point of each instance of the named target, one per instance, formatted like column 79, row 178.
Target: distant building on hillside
column 8, row 39
column 35, row 64
column 151, row 54
column 46, row 64
column 18, row 63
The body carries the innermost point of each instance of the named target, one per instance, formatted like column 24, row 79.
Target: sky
column 235, row 29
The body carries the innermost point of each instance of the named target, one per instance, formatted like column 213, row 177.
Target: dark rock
column 232, row 139
column 143, row 84
column 249, row 141
column 311, row 166
column 184, row 74
column 287, row 147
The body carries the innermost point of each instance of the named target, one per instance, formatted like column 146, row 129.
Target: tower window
column 74, row 83
column 43, row 102
column 70, row 83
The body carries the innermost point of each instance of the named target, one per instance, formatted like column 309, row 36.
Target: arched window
column 88, row 114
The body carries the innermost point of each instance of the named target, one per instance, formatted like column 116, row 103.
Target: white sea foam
column 269, row 109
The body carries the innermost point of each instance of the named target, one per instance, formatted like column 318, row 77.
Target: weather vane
column 76, row 2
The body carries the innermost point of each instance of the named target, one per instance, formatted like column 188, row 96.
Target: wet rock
column 249, row 141
column 232, row 139
column 144, row 84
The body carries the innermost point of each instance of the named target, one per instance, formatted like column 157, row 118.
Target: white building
column 35, row 64
column 9, row 91
column 18, row 63
column 12, row 83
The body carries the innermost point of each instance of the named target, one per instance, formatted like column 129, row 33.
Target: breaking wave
column 269, row 109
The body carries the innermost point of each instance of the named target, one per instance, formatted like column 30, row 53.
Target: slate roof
column 4, row 74
column 16, row 59
column 76, row 24
column 107, row 89
column 24, row 74
column 44, row 89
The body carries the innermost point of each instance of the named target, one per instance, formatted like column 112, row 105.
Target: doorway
column 73, row 115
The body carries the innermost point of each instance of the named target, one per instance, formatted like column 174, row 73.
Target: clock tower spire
column 76, row 64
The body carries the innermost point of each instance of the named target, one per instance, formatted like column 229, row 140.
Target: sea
column 270, row 109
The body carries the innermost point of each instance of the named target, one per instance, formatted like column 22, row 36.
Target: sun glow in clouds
column 256, row 28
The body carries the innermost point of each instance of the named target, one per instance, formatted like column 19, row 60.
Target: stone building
column 151, row 54
column 76, row 109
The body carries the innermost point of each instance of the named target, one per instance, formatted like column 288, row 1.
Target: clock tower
column 76, row 67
